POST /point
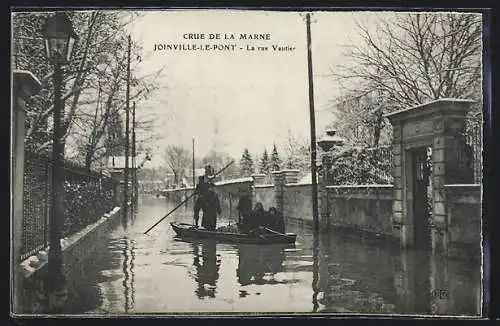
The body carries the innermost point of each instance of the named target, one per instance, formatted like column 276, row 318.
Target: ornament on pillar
column 326, row 144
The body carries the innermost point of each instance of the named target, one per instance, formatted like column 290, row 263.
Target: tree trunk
column 88, row 159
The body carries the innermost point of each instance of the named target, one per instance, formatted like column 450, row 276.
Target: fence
column 361, row 165
column 474, row 140
column 87, row 196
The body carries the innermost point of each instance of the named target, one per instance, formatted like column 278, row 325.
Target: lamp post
column 60, row 39
column 326, row 144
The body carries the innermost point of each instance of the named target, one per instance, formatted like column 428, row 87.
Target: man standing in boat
column 201, row 188
column 210, row 205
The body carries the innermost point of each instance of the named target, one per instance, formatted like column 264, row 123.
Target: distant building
column 185, row 180
column 116, row 164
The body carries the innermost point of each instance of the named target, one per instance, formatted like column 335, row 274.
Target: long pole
column 127, row 118
column 187, row 198
column 313, row 128
column 194, row 175
column 56, row 277
column 134, row 167
column 194, row 183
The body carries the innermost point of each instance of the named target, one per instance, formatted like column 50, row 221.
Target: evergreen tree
column 265, row 164
column 275, row 160
column 246, row 163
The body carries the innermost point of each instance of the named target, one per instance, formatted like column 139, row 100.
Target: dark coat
column 254, row 220
column 201, row 188
column 244, row 208
column 210, row 205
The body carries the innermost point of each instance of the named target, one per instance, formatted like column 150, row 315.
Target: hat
column 208, row 169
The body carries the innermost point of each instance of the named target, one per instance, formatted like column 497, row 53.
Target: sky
column 239, row 99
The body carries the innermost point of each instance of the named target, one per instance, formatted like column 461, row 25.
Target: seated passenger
column 276, row 221
column 244, row 208
column 259, row 216
column 253, row 221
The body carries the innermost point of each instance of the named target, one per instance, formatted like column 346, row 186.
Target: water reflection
column 128, row 250
column 372, row 277
column 133, row 273
column 315, row 285
column 207, row 264
column 134, row 212
column 414, row 270
column 259, row 264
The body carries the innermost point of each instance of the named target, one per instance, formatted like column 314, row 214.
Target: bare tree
column 405, row 60
column 417, row 57
column 101, row 34
column 177, row 158
column 360, row 120
column 92, row 123
column 219, row 160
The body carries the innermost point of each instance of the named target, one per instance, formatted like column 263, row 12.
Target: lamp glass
column 71, row 46
column 58, row 47
column 59, row 36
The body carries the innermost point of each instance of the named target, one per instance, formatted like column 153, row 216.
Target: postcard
column 249, row 162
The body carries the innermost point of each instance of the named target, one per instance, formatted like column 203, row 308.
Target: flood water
column 133, row 273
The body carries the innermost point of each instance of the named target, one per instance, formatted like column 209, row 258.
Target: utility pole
column 313, row 127
column 134, row 167
column 127, row 121
column 194, row 176
column 313, row 168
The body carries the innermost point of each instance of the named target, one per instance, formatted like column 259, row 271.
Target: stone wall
column 363, row 209
column 265, row 195
column 176, row 195
column 360, row 209
column 298, row 202
column 229, row 204
column 464, row 220
column 75, row 249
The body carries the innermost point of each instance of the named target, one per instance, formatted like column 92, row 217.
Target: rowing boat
column 263, row 236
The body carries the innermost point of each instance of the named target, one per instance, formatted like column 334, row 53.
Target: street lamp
column 60, row 39
column 326, row 144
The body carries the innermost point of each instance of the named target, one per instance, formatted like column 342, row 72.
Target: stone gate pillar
column 258, row 180
column 279, row 185
column 281, row 178
column 291, row 176
column 24, row 85
column 437, row 124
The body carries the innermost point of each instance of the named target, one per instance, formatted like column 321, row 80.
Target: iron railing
column 361, row 165
column 87, row 196
column 474, row 140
